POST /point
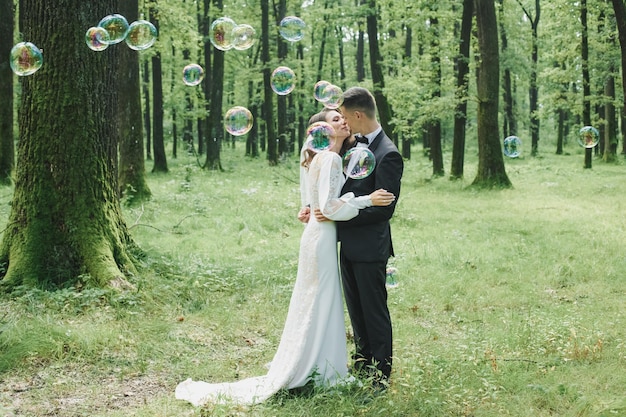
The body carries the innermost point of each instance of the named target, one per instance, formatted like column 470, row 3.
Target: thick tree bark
column 132, row 169
column 491, row 172
column 65, row 223
column 7, row 150
column 462, row 85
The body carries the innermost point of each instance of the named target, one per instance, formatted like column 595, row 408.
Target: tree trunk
column 434, row 126
column 534, row 88
column 584, row 50
column 385, row 112
column 281, row 100
column 407, row 140
column 491, row 172
column 158, row 140
column 619, row 7
column 66, row 223
column 147, row 120
column 462, row 85
column 132, row 178
column 7, row 151
column 268, row 104
column 610, row 132
column 509, row 124
column 215, row 128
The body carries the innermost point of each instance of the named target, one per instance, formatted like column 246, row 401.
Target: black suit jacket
column 367, row 237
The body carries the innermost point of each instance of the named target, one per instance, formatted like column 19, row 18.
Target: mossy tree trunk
column 491, row 172
column 7, row 151
column 65, row 222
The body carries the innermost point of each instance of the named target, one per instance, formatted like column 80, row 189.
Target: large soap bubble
column 332, row 96
column 97, row 38
column 318, row 90
column 141, row 35
column 291, row 28
column 193, row 74
column 25, row 59
column 588, row 137
column 512, row 146
column 391, row 277
column 117, row 26
column 221, row 33
column 358, row 162
column 283, row 80
column 320, row 136
column 243, row 37
column 238, row 121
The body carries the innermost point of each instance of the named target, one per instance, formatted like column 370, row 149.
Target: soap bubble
column 141, row 35
column 318, row 90
column 238, row 121
column 116, row 25
column 291, row 28
column 221, row 33
column 358, row 163
column 588, row 137
column 25, row 59
column 283, row 81
column 193, row 74
column 319, row 136
column 391, row 280
column 332, row 96
column 97, row 38
column 512, row 146
column 243, row 37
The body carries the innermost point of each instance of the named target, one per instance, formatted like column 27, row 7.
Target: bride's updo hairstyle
column 307, row 154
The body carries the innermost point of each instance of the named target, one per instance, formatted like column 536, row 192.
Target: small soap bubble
column 221, row 34
column 319, row 136
column 238, row 121
column 358, row 163
column 116, row 25
column 25, row 59
column 588, row 137
column 283, row 80
column 141, row 35
column 291, row 28
column 318, row 90
column 97, row 38
column 512, row 146
column 332, row 96
column 243, row 37
column 391, row 277
column 193, row 74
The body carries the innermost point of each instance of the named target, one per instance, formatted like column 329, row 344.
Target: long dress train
column 313, row 342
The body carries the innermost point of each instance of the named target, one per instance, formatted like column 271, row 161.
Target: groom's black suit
column 365, row 248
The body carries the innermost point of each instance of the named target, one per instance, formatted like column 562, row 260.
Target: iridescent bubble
column 319, row 136
column 243, row 37
column 332, row 96
column 116, row 25
column 97, row 38
column 318, row 90
column 25, row 59
column 222, row 33
column 283, row 81
column 291, row 28
column 238, row 121
column 141, row 35
column 193, row 74
column 391, row 279
column 588, row 137
column 512, row 146
column 358, row 163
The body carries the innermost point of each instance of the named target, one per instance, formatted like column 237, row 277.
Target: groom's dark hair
column 359, row 98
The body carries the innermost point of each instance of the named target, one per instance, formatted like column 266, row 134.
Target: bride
column 313, row 343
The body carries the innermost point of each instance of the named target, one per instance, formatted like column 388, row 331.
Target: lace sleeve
column 330, row 181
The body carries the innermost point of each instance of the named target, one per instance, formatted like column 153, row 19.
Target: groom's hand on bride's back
column 319, row 216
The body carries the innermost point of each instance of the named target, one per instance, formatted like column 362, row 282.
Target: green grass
column 510, row 302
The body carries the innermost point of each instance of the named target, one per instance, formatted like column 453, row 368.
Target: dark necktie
column 361, row 139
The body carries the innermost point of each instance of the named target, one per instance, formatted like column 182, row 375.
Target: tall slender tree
column 491, row 172
column 584, row 51
column 619, row 8
column 268, row 104
column 66, row 223
column 158, row 139
column 434, row 124
column 215, row 127
column 7, row 151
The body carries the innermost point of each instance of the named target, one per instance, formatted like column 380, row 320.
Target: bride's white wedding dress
column 313, row 342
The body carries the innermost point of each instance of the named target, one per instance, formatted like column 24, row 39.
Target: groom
column 366, row 241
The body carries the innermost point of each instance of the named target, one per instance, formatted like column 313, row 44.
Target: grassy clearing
column 510, row 302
